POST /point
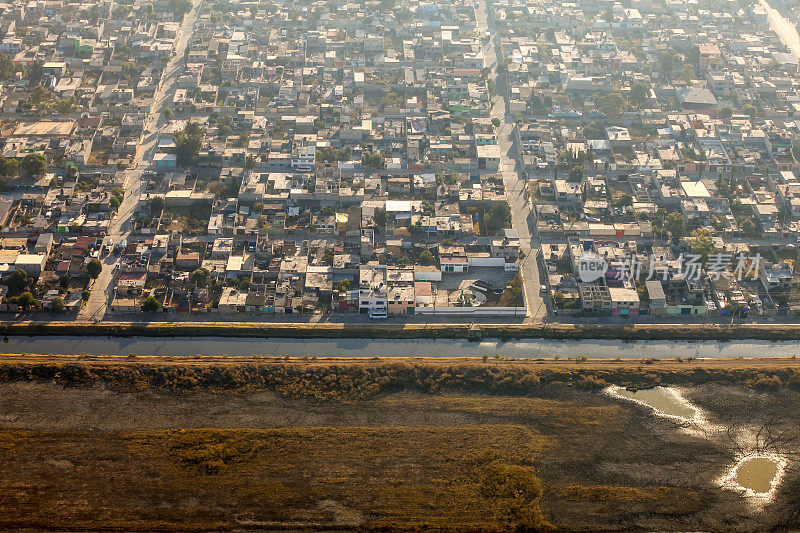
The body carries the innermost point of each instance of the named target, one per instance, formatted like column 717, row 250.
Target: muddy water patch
column 757, row 476
column 664, row 401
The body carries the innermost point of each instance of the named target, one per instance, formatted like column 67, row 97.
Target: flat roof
column 48, row 128
column 695, row 189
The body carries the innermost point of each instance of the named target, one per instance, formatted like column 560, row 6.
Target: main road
column 521, row 216
column 121, row 227
column 786, row 31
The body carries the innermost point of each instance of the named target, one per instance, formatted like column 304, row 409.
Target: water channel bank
column 472, row 332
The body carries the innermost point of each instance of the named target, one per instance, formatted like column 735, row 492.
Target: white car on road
column 378, row 314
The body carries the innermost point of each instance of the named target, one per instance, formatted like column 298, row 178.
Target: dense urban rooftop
column 416, row 159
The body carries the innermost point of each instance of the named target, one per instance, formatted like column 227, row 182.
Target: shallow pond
column 663, row 400
column 756, row 474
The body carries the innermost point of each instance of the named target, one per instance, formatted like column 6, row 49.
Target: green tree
column 200, row 277
column 94, row 267
column 343, row 285
column 723, row 187
column 121, row 12
column 131, row 71
column 416, row 229
column 113, row 202
column 626, row 200
column 17, row 281
column 496, row 122
column 675, row 224
column 225, row 126
column 750, row 110
column 26, row 301
column 748, row 227
column 426, row 258
column 35, row 72
column 702, row 244
column 512, row 295
column 726, row 113
column 372, row 160
column 640, row 93
column 577, row 174
column 7, row 68
column 9, row 167
column 156, row 205
column 667, row 63
column 58, row 304
column 167, row 114
column 558, row 299
column 593, row 132
column 150, row 305
column 611, row 104
column 180, row 7
column 39, row 98
column 65, row 106
column 380, row 217
column 688, row 73
column 243, row 141
column 34, row 164
column 496, row 218
column 188, row 143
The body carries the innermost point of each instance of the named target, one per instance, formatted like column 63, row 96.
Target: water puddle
column 664, row 401
column 757, row 476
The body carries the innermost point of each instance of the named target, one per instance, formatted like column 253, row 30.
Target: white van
column 378, row 314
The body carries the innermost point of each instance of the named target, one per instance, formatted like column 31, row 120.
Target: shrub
column 150, row 305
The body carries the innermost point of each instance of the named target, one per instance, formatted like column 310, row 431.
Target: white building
column 372, row 289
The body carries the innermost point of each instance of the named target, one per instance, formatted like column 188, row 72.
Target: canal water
column 534, row 348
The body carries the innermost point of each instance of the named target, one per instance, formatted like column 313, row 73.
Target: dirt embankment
column 351, row 379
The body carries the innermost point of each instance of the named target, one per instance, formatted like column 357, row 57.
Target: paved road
column 121, row 226
column 529, row 348
column 521, row 217
column 785, row 30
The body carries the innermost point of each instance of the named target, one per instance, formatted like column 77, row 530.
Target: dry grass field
column 134, row 454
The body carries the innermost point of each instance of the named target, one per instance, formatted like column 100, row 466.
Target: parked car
column 378, row 314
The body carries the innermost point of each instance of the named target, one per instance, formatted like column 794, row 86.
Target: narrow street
column 134, row 186
column 521, row 216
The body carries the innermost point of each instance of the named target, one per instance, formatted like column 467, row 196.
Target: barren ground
column 556, row 457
